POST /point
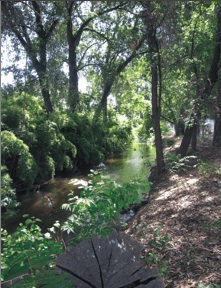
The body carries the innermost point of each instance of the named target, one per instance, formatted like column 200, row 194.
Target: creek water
column 45, row 204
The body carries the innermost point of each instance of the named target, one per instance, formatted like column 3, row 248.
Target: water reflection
column 45, row 204
column 134, row 163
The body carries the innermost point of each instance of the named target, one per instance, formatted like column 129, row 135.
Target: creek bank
column 184, row 206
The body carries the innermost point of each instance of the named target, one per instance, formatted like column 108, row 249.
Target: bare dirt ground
column 183, row 207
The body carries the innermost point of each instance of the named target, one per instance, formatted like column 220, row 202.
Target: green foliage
column 99, row 205
column 28, row 257
column 156, row 248
column 145, row 130
column 207, row 169
column 20, row 111
column 15, row 149
column 164, row 129
column 216, row 223
column 8, row 195
column 36, row 145
column 168, row 142
column 175, row 163
column 78, row 130
column 53, row 150
column 118, row 135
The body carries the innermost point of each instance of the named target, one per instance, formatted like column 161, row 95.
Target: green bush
column 208, row 169
column 28, row 257
column 16, row 152
column 36, row 145
column 174, row 162
column 9, row 201
column 20, row 111
column 100, row 203
column 117, row 137
column 33, row 145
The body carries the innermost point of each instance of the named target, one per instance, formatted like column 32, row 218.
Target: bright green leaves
column 20, row 112
column 8, row 194
column 99, row 205
column 15, row 150
column 29, row 255
column 12, row 146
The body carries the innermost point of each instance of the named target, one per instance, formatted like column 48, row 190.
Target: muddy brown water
column 45, row 204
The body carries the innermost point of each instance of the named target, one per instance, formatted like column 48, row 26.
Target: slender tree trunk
column 46, row 95
column 102, row 107
column 208, row 86
column 104, row 104
column 156, row 118
column 154, row 53
column 179, row 128
column 109, row 83
column 194, row 137
column 217, row 125
column 186, row 140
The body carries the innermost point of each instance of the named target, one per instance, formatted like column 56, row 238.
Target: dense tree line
column 151, row 62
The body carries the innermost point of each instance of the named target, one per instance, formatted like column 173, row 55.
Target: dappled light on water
column 45, row 204
column 135, row 162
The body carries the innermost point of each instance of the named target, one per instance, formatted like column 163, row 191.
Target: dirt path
column 183, row 207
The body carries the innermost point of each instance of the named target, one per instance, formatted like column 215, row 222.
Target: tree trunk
column 20, row 29
column 73, row 41
column 208, row 86
column 154, row 54
column 186, row 140
column 109, row 83
column 179, row 128
column 217, row 125
column 194, row 137
column 73, row 93
column 47, row 98
column 156, row 118
column 41, row 69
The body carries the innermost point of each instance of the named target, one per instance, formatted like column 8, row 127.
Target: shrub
column 175, row 163
column 9, row 201
column 16, row 155
column 28, row 257
column 100, row 203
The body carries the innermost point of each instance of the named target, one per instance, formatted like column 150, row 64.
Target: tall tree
column 217, row 52
column 217, row 126
column 150, row 21
column 76, row 24
column 33, row 28
column 206, row 91
column 118, row 39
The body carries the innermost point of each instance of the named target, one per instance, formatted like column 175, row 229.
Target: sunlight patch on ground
column 192, row 181
column 165, row 195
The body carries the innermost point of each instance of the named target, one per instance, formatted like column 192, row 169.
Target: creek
column 45, row 204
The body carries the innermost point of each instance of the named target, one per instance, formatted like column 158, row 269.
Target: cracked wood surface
column 108, row 262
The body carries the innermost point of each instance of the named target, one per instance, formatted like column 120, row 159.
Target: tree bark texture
column 217, row 125
column 154, row 53
column 73, row 41
column 208, row 86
